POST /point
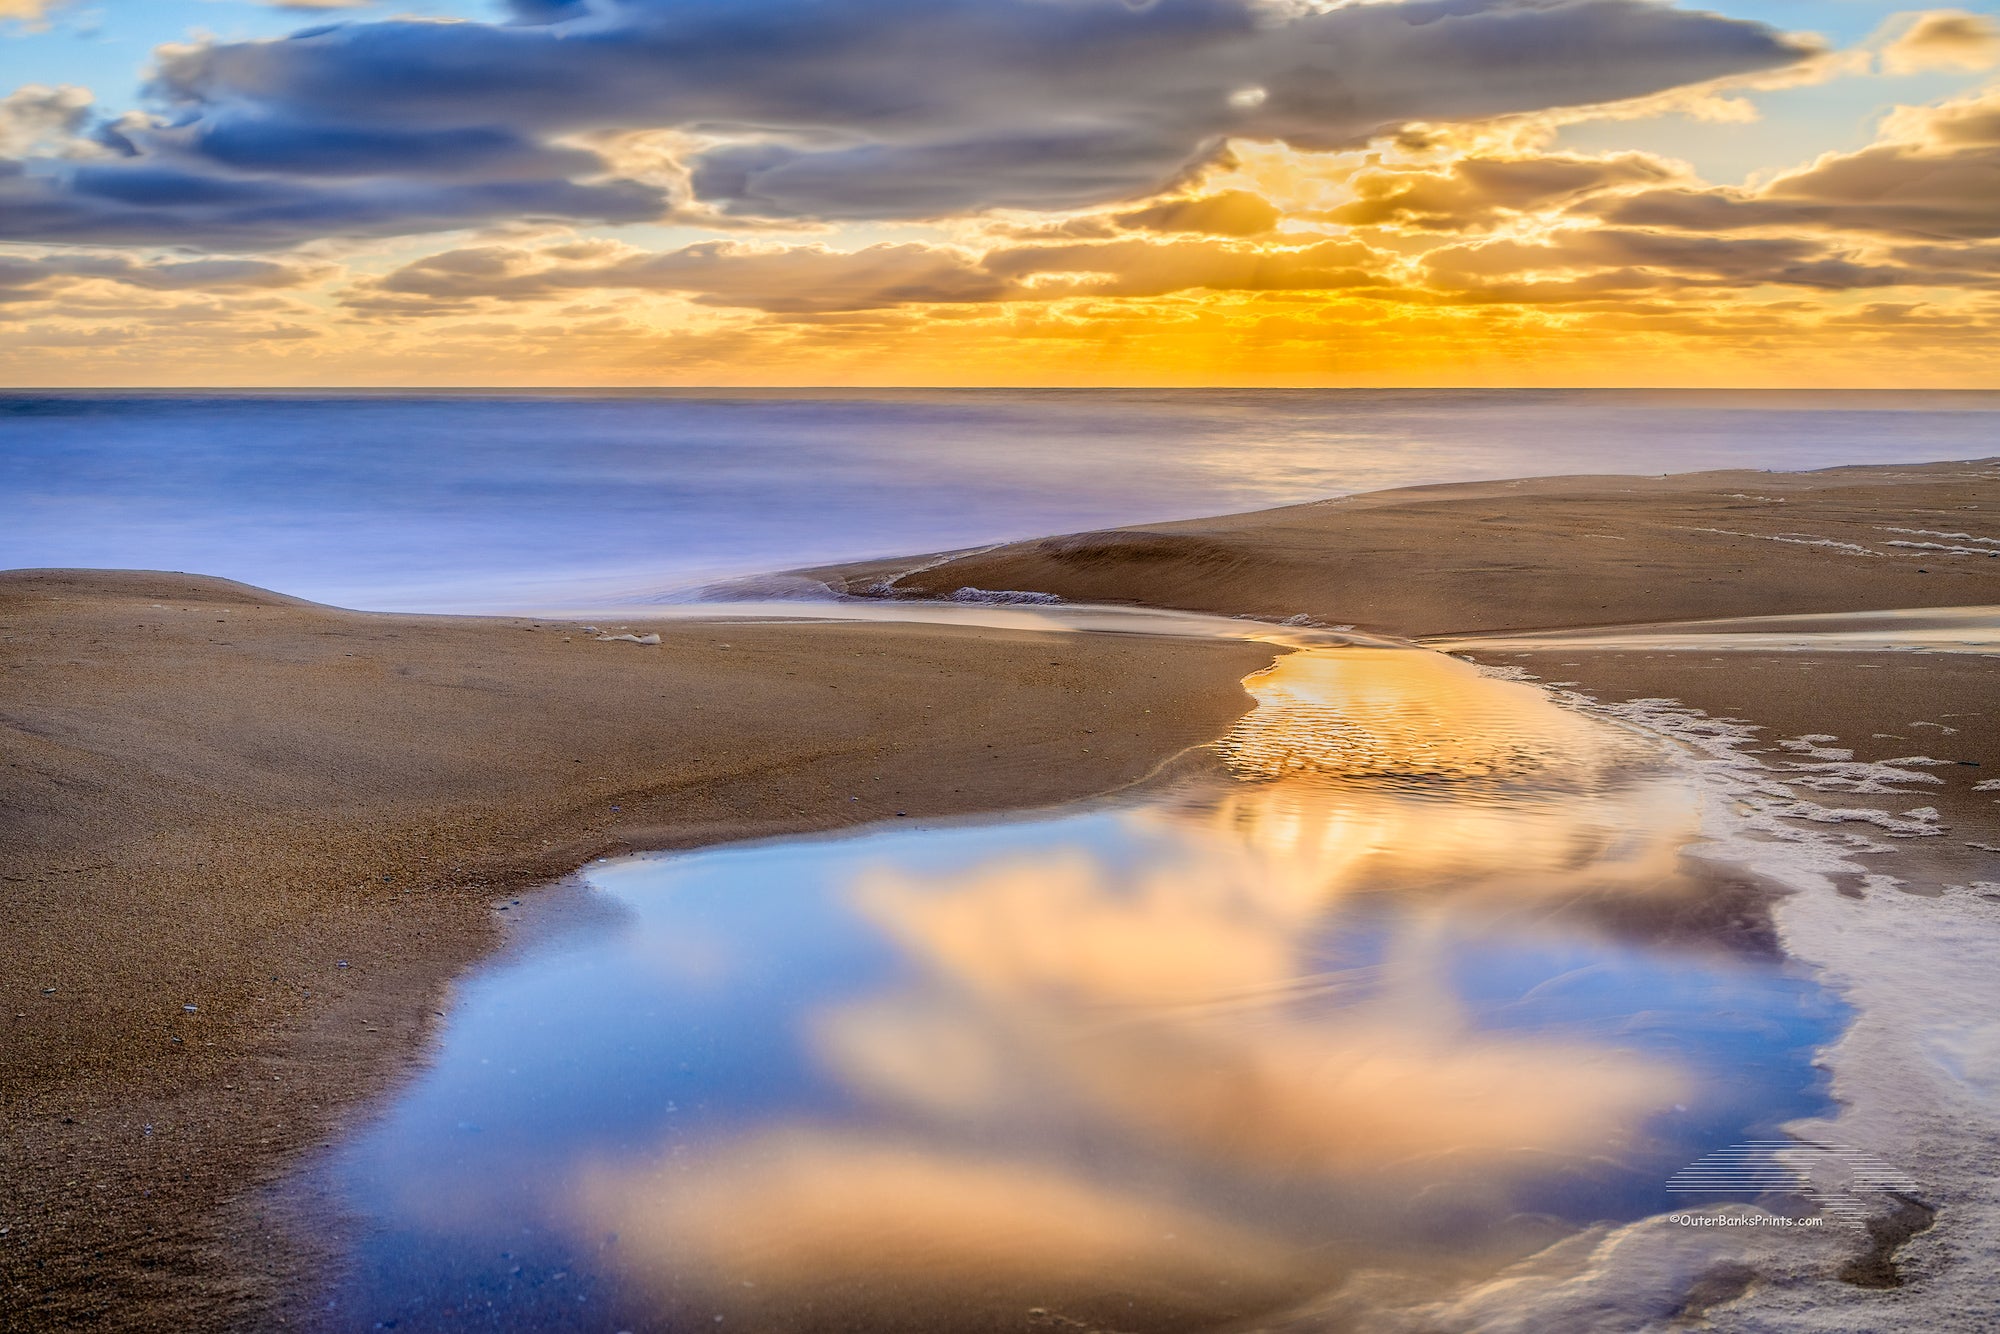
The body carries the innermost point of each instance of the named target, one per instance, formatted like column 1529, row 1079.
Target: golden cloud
column 1944, row 39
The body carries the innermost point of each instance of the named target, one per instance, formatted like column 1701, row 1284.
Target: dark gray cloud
column 1057, row 170
column 808, row 109
column 141, row 202
column 262, row 144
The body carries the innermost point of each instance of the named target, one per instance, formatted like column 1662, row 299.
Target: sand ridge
column 1539, row 553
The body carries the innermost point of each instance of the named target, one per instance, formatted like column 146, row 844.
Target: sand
column 1549, row 553
column 1534, row 554
column 1881, row 706
column 216, row 796
column 300, row 822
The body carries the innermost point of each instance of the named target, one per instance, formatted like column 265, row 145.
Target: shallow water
column 538, row 502
column 1417, row 981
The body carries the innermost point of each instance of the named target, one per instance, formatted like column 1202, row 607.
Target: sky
column 999, row 192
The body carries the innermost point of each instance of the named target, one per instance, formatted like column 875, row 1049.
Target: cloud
column 1585, row 264
column 1566, row 266
column 24, row 278
column 1476, row 192
column 1198, row 216
column 871, row 109
column 1229, row 213
column 261, row 144
column 791, row 279
column 1147, row 268
column 1233, row 213
column 891, row 1237
column 1944, row 39
column 816, row 279
column 1934, row 176
column 29, row 11
column 148, row 203
column 36, row 118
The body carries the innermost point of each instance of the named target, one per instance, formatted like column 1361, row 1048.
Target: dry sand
column 215, row 795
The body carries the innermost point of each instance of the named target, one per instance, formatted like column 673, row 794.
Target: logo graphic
column 1840, row 1182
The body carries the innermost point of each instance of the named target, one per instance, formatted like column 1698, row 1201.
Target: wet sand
column 1550, row 553
column 1881, row 706
column 299, row 821
column 216, row 796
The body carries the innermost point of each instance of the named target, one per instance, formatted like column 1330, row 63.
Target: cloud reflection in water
column 1376, row 998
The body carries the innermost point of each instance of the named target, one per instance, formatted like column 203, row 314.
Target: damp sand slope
column 1533, row 554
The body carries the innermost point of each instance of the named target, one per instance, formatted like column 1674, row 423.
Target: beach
column 252, row 840
column 999, row 668
column 1529, row 554
column 1465, row 566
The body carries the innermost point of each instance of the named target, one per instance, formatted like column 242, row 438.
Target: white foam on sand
column 1943, row 548
column 1916, row 1076
column 1795, row 539
column 1950, row 537
column 1004, row 597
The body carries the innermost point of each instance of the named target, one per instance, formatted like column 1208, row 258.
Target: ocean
column 561, row 501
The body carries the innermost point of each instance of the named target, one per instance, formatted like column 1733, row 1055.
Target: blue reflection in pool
column 1162, row 1066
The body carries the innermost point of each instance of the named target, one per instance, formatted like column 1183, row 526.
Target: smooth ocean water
column 546, row 501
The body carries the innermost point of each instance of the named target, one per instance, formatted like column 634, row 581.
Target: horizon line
column 985, row 388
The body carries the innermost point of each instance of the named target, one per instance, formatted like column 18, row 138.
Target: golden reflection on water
column 1100, row 1071
column 1407, row 717
column 1381, row 769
